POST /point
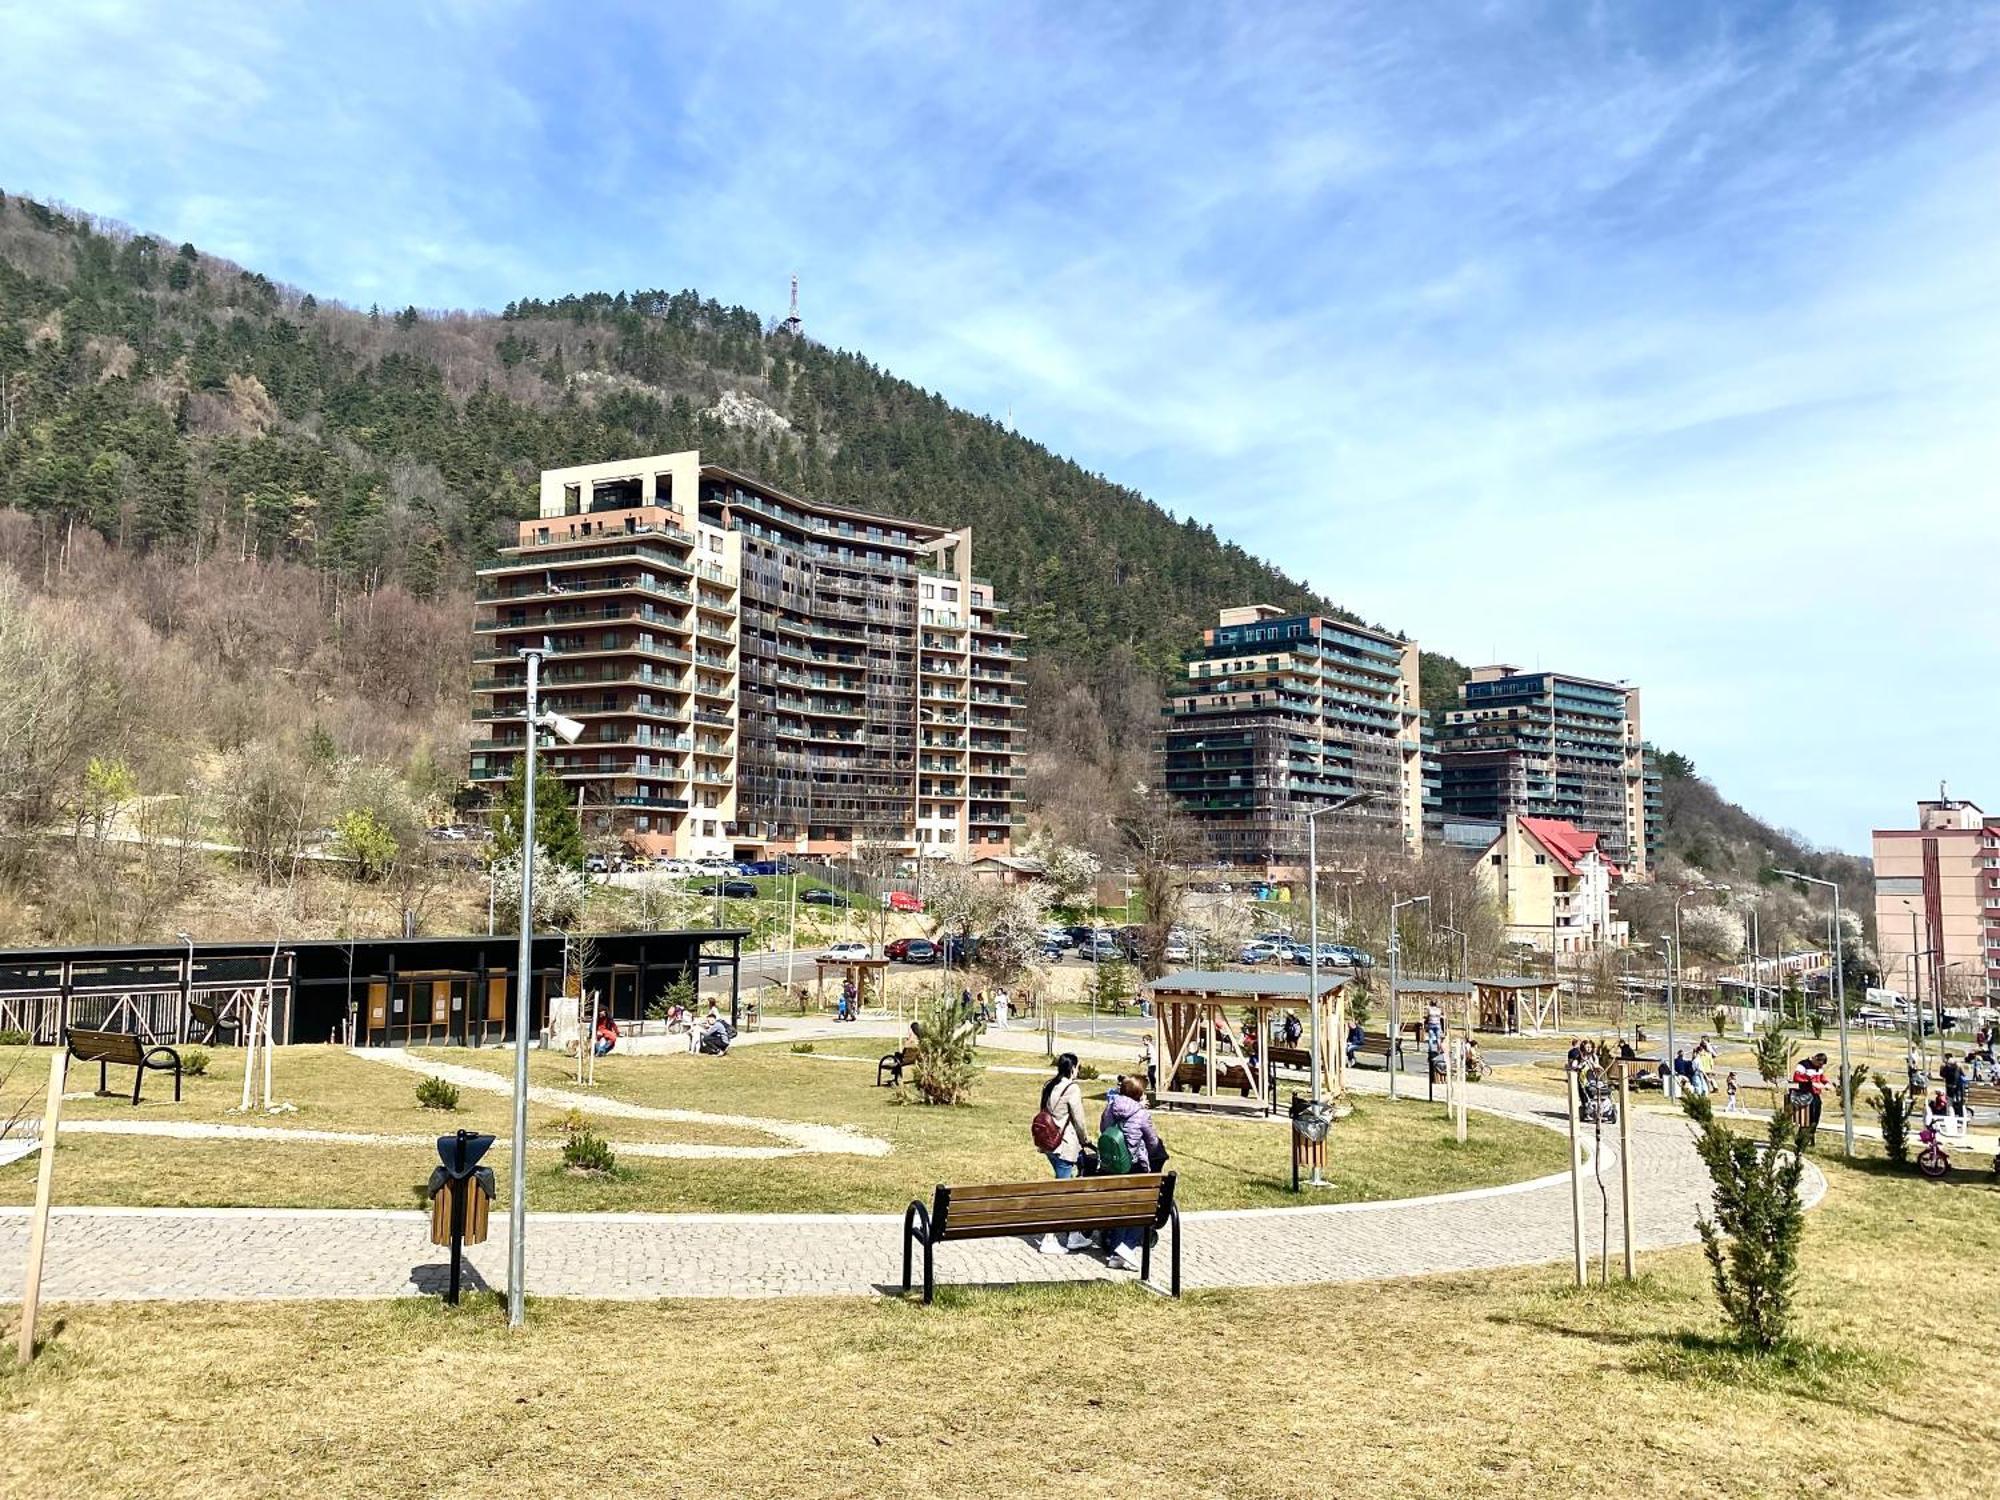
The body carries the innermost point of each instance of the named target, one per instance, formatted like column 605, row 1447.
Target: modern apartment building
column 1937, row 896
column 1550, row 745
column 1283, row 713
column 758, row 674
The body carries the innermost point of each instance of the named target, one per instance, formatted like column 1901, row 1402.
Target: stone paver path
column 119, row 1254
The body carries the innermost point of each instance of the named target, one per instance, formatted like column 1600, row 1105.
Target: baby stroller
column 1599, row 1105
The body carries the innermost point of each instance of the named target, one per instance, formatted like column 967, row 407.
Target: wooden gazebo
column 855, row 969
column 1201, row 1058
column 1503, row 1004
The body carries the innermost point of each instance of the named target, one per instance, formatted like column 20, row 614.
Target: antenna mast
column 793, row 324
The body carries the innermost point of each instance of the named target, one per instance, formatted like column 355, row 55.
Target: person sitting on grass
column 1127, row 1129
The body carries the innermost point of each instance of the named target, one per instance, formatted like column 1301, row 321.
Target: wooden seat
column 1982, row 1099
column 126, row 1050
column 1379, row 1044
column 1074, row 1205
column 204, row 1014
column 1193, row 1076
column 890, row 1068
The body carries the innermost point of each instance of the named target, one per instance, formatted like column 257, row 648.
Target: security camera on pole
column 568, row 731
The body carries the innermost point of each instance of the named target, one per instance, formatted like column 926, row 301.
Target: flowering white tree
column 560, row 892
column 1069, row 872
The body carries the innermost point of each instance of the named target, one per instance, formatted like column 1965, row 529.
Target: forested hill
column 171, row 399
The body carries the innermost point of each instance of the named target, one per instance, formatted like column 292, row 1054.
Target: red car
column 904, row 901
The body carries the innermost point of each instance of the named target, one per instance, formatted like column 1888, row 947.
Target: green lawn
column 1381, row 1151
column 1499, row 1385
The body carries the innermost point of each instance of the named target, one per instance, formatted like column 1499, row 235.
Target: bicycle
column 1933, row 1161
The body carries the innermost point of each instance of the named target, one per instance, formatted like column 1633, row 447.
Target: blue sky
column 1653, row 342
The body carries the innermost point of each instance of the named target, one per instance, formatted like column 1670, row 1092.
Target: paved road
column 140, row 1254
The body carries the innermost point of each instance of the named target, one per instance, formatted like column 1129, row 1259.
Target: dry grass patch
column 1499, row 1385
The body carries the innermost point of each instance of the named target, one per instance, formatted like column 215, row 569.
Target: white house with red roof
column 1554, row 885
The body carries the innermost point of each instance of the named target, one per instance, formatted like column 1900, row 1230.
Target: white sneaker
column 1049, row 1245
column 1079, row 1241
column 1126, row 1257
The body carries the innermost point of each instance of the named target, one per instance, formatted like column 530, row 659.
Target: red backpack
column 1046, row 1131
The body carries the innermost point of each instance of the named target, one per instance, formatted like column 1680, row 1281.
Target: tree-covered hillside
column 170, row 399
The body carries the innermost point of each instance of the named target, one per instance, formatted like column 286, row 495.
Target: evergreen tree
column 557, row 832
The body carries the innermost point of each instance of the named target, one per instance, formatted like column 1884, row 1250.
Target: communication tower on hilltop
column 793, row 324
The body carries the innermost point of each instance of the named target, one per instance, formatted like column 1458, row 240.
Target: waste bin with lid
column 461, row 1194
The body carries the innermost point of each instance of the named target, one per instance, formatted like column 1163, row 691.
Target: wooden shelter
column 1518, row 1004
column 855, row 970
column 1201, row 1058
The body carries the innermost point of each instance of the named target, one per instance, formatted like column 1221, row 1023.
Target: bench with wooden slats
column 1074, row 1205
column 203, row 1013
column 1378, row 1044
column 127, row 1051
column 1192, row 1077
column 1982, row 1099
column 889, row 1070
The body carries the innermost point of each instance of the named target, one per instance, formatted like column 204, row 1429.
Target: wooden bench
column 126, row 1050
column 1379, row 1043
column 1074, row 1205
column 890, row 1068
column 204, row 1014
column 1192, row 1077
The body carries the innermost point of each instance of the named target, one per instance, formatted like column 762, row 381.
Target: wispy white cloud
column 1655, row 342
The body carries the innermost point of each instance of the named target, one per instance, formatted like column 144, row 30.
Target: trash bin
column 1311, row 1121
column 461, row 1194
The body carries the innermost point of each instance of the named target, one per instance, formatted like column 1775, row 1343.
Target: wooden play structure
column 1198, row 1039
column 856, row 971
column 1518, row 1005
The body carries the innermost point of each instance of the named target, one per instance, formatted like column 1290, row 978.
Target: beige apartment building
column 758, row 675
column 1554, row 884
column 1937, row 904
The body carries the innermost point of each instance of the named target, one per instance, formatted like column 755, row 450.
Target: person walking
column 1001, row 1001
column 1061, row 1129
column 1952, row 1075
column 1127, row 1127
column 1809, row 1079
column 1731, row 1105
column 1433, row 1027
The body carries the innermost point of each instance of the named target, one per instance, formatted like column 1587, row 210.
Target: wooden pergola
column 1500, row 1003
column 855, row 969
column 1196, row 1042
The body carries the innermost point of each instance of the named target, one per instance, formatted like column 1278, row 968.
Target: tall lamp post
column 1394, row 1052
column 1840, row 1005
column 1312, row 935
column 568, row 730
column 1679, row 897
column 1670, row 960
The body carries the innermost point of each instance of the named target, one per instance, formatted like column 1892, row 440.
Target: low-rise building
column 1554, row 884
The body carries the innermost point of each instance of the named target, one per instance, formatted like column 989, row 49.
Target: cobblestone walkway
column 124, row 1254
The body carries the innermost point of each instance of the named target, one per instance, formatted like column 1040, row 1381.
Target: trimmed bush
column 437, row 1093
column 802, row 1048
column 194, row 1061
column 14, row 1037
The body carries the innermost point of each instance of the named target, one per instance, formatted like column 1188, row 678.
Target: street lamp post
column 1670, row 960
column 1840, row 1006
column 1312, row 932
column 1393, row 1054
column 517, row 1208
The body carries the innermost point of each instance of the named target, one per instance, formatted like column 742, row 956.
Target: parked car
column 596, row 864
column 1176, row 951
column 960, row 950
column 1101, row 945
column 904, row 901
column 843, row 953
column 1257, row 953
column 819, row 895
column 1054, row 946
column 1079, row 936
column 451, row 834
column 912, row 951
column 731, row 890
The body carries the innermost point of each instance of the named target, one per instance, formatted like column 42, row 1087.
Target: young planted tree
column 1774, row 1053
column 944, row 1070
column 1892, row 1110
column 1752, row 1242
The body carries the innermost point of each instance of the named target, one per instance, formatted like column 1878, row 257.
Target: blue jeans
column 1063, row 1168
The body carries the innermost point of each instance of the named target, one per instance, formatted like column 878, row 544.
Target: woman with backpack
column 1127, row 1142
column 1060, row 1130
